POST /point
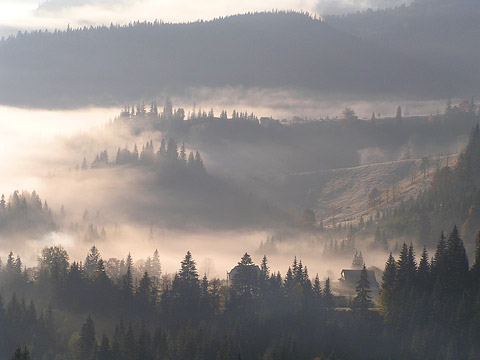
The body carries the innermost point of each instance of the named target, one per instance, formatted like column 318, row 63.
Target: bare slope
column 341, row 195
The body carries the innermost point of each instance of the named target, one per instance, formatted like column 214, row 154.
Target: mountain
column 118, row 64
column 444, row 33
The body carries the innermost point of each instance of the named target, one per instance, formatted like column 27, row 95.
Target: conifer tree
column 91, row 261
column 87, row 340
column 156, row 270
column 440, row 261
column 363, row 300
column 126, row 289
column 328, row 295
column 245, row 282
column 457, row 263
column 264, row 269
column 403, row 269
column 317, row 291
column 105, row 352
column 423, row 273
column 387, row 295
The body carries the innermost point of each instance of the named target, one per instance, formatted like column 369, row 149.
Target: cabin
column 350, row 278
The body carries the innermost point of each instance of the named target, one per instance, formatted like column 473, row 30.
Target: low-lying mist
column 215, row 252
column 218, row 215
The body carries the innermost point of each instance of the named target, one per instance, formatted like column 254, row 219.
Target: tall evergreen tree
column 387, row 294
column 363, row 300
column 328, row 295
column 245, row 285
column 423, row 273
column 457, row 263
column 87, row 341
column 91, row 261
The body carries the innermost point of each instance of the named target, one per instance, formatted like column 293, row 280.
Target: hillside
column 116, row 65
column 344, row 197
column 444, row 32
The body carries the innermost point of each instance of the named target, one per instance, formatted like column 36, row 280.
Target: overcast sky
column 27, row 14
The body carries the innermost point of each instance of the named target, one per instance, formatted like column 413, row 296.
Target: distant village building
column 350, row 278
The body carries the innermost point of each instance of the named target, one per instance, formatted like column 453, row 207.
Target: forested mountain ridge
column 444, row 32
column 118, row 64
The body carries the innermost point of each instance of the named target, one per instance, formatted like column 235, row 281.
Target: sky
column 23, row 15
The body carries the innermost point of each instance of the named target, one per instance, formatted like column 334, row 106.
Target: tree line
column 168, row 152
column 426, row 310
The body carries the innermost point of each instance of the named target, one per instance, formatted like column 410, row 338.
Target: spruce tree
column 440, row 260
column 423, row 273
column 87, row 340
column 317, row 291
column 91, row 261
column 387, row 294
column 328, row 295
column 245, row 283
column 363, row 300
column 457, row 263
column 105, row 352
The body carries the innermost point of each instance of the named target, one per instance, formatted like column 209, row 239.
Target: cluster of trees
column 179, row 317
column 427, row 311
column 20, row 323
column 434, row 305
column 171, row 115
column 167, row 152
column 25, row 212
column 345, row 248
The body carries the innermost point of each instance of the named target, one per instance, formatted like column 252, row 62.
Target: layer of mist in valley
column 50, row 146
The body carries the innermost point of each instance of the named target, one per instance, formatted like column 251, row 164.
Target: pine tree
column 403, row 269
column 457, row 263
column 363, row 300
column 126, row 289
column 423, row 273
column 87, row 340
column 143, row 295
column 440, row 260
column 264, row 269
column 387, row 294
column 105, row 352
column 156, row 270
column 91, row 261
column 244, row 287
column 186, row 288
column 328, row 295
column 188, row 272
column 317, row 291
column 129, row 344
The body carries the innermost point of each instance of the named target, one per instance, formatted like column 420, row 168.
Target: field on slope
column 342, row 195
